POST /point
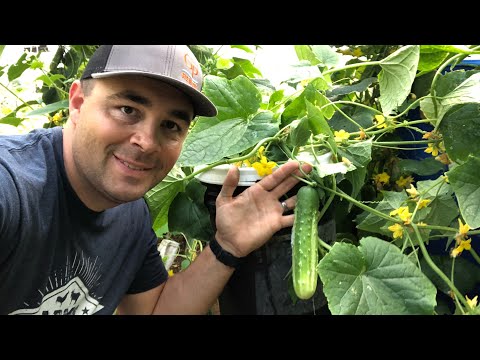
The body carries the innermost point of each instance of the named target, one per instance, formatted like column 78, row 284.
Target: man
column 75, row 231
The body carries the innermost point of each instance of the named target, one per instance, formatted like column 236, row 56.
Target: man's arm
column 244, row 223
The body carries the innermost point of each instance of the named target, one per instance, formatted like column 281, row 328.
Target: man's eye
column 171, row 125
column 127, row 110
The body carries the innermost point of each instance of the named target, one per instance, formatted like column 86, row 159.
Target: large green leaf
column 318, row 124
column 225, row 138
column 17, row 69
column 212, row 144
column 431, row 60
column 360, row 86
column 261, row 126
column 247, row 66
column 461, row 131
column 360, row 154
column 443, row 208
column 465, row 182
column 357, row 179
column 397, row 76
column 466, row 274
column 300, row 132
column 425, row 167
column 161, row 196
column 374, row 279
column 467, row 92
column 237, row 98
column 458, row 49
column 297, row 108
column 362, row 116
column 451, row 80
column 304, row 52
column 326, row 55
column 189, row 215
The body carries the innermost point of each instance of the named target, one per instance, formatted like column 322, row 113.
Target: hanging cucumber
column 305, row 242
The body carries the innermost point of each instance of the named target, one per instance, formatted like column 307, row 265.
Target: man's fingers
column 281, row 180
column 230, row 183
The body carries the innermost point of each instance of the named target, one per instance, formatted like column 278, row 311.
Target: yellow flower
column 357, row 52
column 170, row 272
column 383, row 178
column 455, row 252
column 412, row 191
column 464, row 245
column 341, row 135
column 380, row 121
column 404, row 182
column 397, row 230
column 403, row 214
column 472, row 302
column 260, row 151
column 423, row 203
column 264, row 167
column 463, row 229
column 432, row 149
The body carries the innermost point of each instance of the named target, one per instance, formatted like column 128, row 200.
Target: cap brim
column 202, row 105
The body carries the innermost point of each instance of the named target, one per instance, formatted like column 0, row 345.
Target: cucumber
column 305, row 242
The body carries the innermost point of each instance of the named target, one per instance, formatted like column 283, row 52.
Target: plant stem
column 11, row 92
column 452, row 277
column 435, row 268
column 352, row 66
column 360, row 205
column 351, row 103
column 329, row 201
column 474, row 255
column 324, row 244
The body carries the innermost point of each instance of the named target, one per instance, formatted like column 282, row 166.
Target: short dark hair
column 87, row 86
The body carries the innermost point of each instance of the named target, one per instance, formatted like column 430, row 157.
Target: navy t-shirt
column 56, row 255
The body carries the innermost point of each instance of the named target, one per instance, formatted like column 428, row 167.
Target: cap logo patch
column 190, row 72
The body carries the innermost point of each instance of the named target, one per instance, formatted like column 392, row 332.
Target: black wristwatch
column 224, row 256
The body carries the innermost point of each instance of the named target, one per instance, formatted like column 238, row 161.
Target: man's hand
column 247, row 221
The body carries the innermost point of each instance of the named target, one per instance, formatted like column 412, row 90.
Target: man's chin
column 124, row 197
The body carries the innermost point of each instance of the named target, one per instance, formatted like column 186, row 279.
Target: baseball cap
column 173, row 64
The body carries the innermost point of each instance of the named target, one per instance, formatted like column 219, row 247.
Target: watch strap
column 224, row 256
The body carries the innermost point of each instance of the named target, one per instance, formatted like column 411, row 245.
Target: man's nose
column 145, row 137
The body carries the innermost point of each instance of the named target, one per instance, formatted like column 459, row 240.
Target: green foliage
column 351, row 103
column 374, row 278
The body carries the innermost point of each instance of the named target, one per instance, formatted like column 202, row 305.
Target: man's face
column 128, row 134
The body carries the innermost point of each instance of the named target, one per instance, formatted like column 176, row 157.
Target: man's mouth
column 137, row 167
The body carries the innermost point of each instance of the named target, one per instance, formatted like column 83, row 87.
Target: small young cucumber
column 305, row 242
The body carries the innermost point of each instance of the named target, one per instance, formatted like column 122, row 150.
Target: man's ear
column 76, row 98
